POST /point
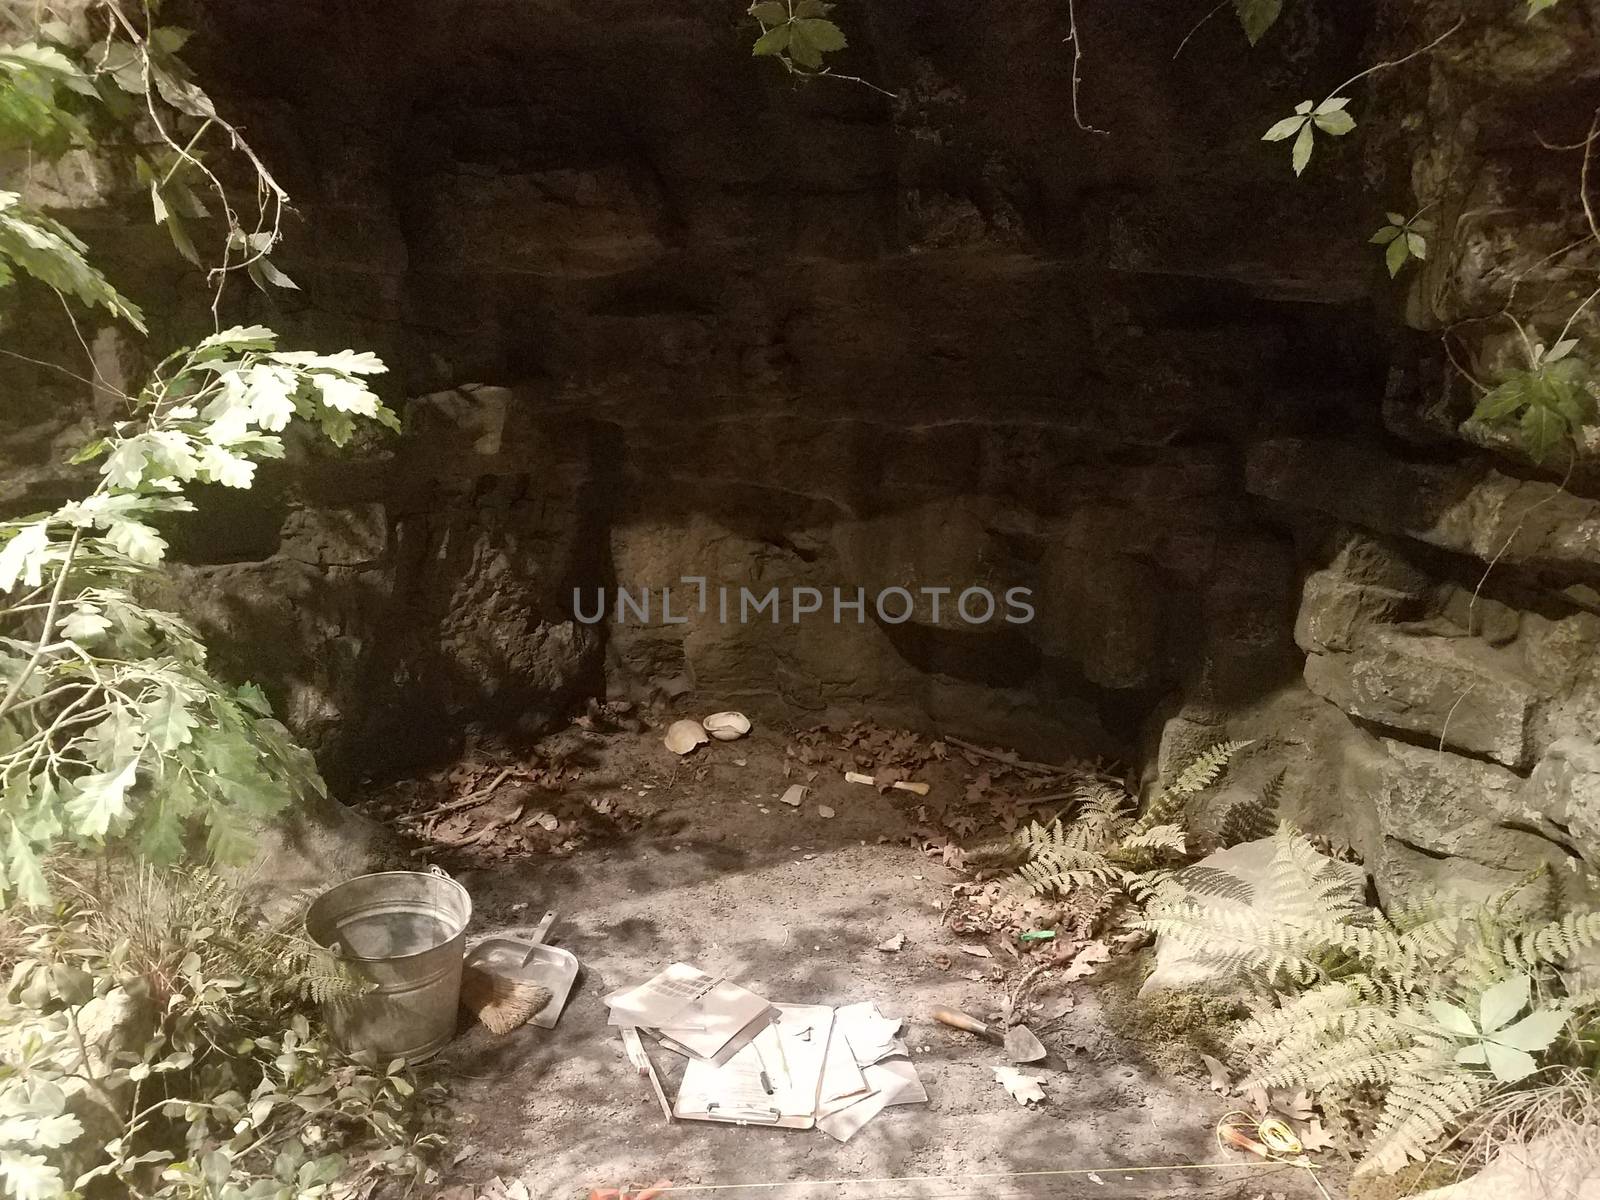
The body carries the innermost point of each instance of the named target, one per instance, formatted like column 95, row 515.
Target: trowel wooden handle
column 961, row 1020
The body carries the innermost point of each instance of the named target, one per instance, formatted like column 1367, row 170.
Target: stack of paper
column 794, row 1066
column 702, row 1016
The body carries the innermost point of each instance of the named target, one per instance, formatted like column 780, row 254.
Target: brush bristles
column 501, row 1004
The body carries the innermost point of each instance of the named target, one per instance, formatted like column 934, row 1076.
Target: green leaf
column 1285, row 128
column 222, row 466
column 1535, row 1031
column 26, row 874
column 1386, row 235
column 30, row 1177
column 821, row 33
column 1560, row 350
column 138, row 541
column 90, row 452
column 1302, row 148
column 45, row 249
column 1502, row 402
column 84, row 623
column 168, row 721
column 1452, row 1019
column 773, row 41
column 1542, row 430
column 1417, row 244
column 1503, row 1001
column 23, row 557
column 770, row 12
column 271, row 274
column 101, row 799
column 1535, row 7
column 346, row 362
column 253, row 698
column 1336, row 123
column 1508, row 1064
column 1257, row 16
column 238, row 337
column 1396, row 255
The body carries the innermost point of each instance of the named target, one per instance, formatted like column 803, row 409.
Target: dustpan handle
column 538, row 935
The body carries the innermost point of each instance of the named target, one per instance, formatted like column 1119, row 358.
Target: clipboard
column 774, row 1080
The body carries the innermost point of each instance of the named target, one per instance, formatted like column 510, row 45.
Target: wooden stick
column 1038, row 768
column 472, row 798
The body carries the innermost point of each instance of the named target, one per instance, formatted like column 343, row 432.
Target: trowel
column 1020, row 1043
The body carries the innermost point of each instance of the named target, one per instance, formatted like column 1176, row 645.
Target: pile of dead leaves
column 490, row 806
column 998, row 790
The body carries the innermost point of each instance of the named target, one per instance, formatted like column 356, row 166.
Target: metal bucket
column 404, row 933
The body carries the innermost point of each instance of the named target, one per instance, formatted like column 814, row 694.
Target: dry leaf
column 1293, row 1104
column 794, row 795
column 1083, row 963
column 940, row 960
column 977, row 951
column 1314, row 1137
column 1024, row 1089
column 824, row 811
column 1221, row 1080
column 893, row 945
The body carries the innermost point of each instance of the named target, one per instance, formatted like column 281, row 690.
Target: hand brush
column 500, row 1003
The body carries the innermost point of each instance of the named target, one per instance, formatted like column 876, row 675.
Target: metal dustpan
column 529, row 960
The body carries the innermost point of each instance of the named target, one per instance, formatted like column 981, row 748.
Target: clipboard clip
column 744, row 1116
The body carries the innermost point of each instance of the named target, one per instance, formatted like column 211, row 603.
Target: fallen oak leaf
column 1024, row 1089
column 1314, row 1137
column 894, row 944
column 978, row 951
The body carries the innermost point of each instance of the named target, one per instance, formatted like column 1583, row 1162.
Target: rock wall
column 657, row 311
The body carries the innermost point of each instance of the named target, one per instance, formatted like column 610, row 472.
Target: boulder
column 1452, row 690
column 1564, row 1164
column 1459, row 813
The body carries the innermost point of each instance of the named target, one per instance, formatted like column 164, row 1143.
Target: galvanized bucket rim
column 346, row 955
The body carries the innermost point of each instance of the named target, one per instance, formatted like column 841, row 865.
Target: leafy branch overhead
column 64, row 90
column 112, row 727
column 797, row 32
column 1329, row 117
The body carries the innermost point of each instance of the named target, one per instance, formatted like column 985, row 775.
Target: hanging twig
column 1220, row 6
column 1076, row 39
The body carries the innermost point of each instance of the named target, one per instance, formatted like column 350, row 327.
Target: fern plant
column 1427, row 1012
column 1106, row 845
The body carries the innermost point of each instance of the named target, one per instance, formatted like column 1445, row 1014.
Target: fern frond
column 1269, row 947
column 1422, row 1107
column 1253, row 819
column 1206, row 769
column 1192, row 780
column 1552, row 943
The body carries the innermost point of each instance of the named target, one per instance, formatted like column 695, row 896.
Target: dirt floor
column 708, row 867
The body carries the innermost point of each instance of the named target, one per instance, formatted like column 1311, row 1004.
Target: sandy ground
column 793, row 906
